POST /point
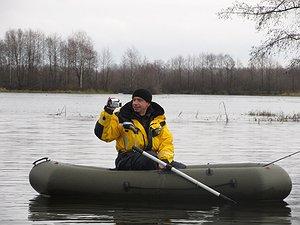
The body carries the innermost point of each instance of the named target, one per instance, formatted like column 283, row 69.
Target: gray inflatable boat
column 239, row 181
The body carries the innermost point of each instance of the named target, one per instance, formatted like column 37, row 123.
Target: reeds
column 276, row 117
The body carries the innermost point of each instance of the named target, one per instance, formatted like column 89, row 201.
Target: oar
column 268, row 164
column 185, row 176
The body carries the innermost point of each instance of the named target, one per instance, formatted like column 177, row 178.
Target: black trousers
column 136, row 161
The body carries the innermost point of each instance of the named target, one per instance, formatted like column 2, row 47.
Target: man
column 140, row 123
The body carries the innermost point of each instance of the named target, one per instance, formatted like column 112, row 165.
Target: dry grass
column 276, row 117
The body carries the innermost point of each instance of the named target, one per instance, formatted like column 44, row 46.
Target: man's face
column 139, row 105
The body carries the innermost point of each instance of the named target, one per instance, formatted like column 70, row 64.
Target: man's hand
column 130, row 126
column 167, row 167
column 111, row 105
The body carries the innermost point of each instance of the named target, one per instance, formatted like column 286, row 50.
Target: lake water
column 60, row 126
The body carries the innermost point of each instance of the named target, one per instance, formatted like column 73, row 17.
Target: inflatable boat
column 239, row 181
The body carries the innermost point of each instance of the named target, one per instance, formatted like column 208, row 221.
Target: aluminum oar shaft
column 180, row 173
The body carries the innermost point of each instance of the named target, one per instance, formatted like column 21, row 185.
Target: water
column 60, row 126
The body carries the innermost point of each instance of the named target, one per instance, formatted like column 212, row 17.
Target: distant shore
column 92, row 91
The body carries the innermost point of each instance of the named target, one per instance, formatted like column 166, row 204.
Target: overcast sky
column 159, row 29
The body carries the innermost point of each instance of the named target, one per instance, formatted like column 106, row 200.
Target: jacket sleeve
column 107, row 127
column 166, row 147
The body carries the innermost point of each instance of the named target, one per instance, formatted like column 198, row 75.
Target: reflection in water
column 92, row 210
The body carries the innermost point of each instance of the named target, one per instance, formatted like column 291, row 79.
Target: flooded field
column 206, row 129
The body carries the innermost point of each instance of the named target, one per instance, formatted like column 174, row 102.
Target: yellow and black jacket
column 152, row 131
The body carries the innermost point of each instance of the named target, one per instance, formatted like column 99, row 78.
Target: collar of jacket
column 127, row 113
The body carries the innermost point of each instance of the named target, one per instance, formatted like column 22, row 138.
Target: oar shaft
column 195, row 181
column 189, row 178
column 180, row 173
column 281, row 158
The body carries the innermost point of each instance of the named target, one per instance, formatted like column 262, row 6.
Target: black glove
column 130, row 126
column 167, row 167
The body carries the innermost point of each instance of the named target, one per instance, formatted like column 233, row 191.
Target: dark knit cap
column 144, row 94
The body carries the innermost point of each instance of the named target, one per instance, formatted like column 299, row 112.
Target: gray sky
column 159, row 29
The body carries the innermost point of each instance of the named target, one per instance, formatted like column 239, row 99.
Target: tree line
column 32, row 60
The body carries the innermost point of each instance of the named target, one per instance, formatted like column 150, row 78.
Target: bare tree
column 52, row 52
column 105, row 64
column 33, row 55
column 65, row 63
column 228, row 64
column 3, row 59
column 82, row 55
column 131, row 61
column 177, row 67
column 4, row 65
column 211, row 65
column 14, row 40
column 278, row 18
column 293, row 70
column 190, row 68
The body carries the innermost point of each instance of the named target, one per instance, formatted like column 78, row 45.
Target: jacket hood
column 127, row 113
